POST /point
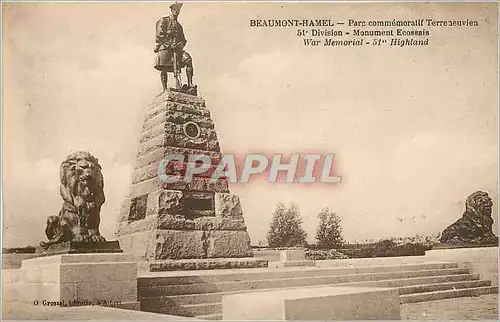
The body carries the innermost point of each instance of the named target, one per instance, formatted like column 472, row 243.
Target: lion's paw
column 79, row 239
column 97, row 239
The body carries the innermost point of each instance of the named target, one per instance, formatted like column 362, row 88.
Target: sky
column 414, row 129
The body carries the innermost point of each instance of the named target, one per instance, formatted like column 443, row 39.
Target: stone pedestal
column 72, row 247
column 163, row 221
column 479, row 260
column 314, row 303
column 292, row 258
column 80, row 279
column 303, row 263
column 292, row 255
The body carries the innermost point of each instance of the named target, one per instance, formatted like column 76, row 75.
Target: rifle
column 176, row 72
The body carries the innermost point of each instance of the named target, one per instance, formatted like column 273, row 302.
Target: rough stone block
column 228, row 205
column 228, row 244
column 173, row 135
column 213, row 145
column 149, row 158
column 165, row 202
column 146, row 224
column 162, row 106
column 146, row 172
column 178, row 97
column 193, row 213
column 141, row 245
column 174, row 244
column 218, row 223
column 152, row 132
column 138, row 206
column 181, row 118
column 173, row 168
column 206, row 264
column 151, row 145
column 186, row 108
column 168, row 222
column 204, row 142
column 197, row 184
column 158, row 154
column 124, row 210
column 314, row 303
column 156, row 121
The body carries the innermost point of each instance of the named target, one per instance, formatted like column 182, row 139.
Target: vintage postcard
column 250, row 160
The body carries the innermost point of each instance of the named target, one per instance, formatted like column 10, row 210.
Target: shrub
column 286, row 228
column 390, row 248
column 329, row 231
column 324, row 254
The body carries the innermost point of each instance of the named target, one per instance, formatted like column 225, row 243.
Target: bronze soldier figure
column 170, row 53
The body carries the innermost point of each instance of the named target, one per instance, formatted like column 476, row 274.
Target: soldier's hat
column 176, row 6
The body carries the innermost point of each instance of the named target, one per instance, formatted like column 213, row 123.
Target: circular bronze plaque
column 191, row 130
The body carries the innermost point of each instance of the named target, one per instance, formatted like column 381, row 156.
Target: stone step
column 202, row 309
column 412, row 298
column 413, row 289
column 447, row 294
column 198, row 277
column 212, row 317
column 214, row 307
column 428, row 296
column 189, row 299
column 187, row 305
column 152, row 291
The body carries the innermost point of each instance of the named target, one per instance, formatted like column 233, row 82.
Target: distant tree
column 286, row 227
column 329, row 231
column 262, row 243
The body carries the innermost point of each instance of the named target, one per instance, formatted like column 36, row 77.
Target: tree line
column 286, row 229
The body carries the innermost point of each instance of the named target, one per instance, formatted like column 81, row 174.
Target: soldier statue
column 170, row 54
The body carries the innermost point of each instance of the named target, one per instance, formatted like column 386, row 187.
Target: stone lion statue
column 83, row 195
column 476, row 223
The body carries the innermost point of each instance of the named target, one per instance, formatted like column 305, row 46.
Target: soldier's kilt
column 164, row 60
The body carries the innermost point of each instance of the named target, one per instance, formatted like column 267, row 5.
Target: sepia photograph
column 191, row 160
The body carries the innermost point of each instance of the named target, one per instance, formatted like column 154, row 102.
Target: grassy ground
column 483, row 307
column 468, row 308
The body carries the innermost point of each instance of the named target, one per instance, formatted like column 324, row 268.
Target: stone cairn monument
column 181, row 225
column 475, row 225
